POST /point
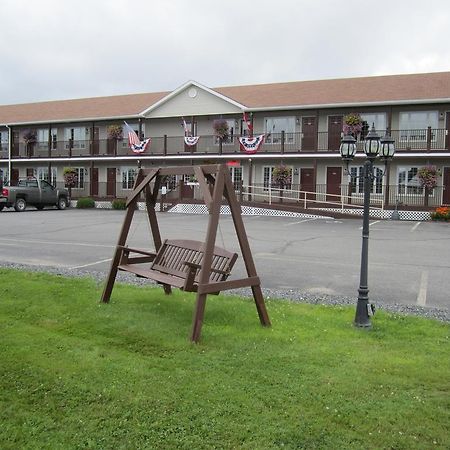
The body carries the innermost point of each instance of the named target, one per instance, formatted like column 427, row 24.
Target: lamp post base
column 362, row 317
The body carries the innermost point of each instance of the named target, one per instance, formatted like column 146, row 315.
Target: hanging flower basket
column 29, row 137
column 115, row 132
column 281, row 176
column 70, row 177
column 353, row 124
column 428, row 176
column 221, row 129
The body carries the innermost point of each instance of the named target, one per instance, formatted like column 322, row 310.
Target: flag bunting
column 251, row 144
column 136, row 145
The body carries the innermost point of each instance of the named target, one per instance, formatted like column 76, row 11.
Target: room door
column 334, row 132
column 94, row 182
column 307, row 183
column 334, row 179
column 111, row 182
column 309, row 133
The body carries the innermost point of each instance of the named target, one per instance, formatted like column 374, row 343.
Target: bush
column 86, row 202
column 119, row 203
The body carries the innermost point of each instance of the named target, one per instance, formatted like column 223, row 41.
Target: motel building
column 300, row 125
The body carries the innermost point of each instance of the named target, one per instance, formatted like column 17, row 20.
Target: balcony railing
column 427, row 139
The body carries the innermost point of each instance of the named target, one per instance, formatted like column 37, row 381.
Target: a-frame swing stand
column 192, row 266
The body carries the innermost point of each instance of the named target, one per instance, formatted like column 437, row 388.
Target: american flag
column 134, row 142
column 186, row 129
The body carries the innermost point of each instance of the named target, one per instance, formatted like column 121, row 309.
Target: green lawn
column 78, row 374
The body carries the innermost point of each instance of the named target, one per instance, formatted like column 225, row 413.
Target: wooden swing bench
column 192, row 266
column 178, row 264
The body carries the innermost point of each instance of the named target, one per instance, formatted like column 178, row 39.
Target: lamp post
column 373, row 147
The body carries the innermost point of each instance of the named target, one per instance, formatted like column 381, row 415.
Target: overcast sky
column 59, row 49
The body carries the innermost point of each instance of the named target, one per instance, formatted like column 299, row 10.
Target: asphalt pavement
column 409, row 262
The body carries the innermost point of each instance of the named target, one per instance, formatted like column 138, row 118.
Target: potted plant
column 353, row 124
column 115, row 134
column 30, row 138
column 428, row 179
column 70, row 176
column 221, row 129
column 282, row 177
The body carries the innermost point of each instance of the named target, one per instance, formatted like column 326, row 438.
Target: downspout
column 9, row 153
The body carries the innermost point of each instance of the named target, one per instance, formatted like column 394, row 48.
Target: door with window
column 334, row 132
column 307, row 183
column 334, row 179
column 309, row 133
column 94, row 182
column 446, row 186
column 111, row 182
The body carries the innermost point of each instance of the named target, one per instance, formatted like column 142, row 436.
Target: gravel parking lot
column 313, row 260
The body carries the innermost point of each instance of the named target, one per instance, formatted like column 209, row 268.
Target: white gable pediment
column 193, row 99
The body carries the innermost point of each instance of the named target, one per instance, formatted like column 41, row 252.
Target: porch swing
column 192, row 266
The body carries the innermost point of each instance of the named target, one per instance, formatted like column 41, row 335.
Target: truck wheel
column 20, row 205
column 62, row 203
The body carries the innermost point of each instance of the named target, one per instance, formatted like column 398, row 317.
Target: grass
column 78, row 374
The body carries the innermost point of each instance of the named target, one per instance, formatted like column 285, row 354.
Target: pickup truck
column 34, row 192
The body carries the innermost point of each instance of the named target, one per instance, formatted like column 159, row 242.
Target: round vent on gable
column 192, row 92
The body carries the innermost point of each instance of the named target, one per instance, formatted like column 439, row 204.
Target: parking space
column 409, row 261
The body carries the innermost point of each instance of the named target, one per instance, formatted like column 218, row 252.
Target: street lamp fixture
column 374, row 146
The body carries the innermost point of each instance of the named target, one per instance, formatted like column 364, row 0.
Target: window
column 377, row 119
column 42, row 137
column 3, row 176
column 4, row 139
column 42, row 174
column 128, row 177
column 231, row 132
column 275, row 125
column 357, row 180
column 236, row 177
column 408, row 181
column 413, row 125
column 79, row 136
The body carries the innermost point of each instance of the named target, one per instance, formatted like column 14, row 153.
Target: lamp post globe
column 348, row 147
column 372, row 143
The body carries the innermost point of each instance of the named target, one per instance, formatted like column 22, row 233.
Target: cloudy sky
column 59, row 49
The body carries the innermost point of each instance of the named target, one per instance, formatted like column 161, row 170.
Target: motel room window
column 236, row 177
column 357, row 180
column 408, row 181
column 275, row 125
column 231, row 132
column 4, row 176
column 42, row 137
column 128, row 176
column 414, row 124
column 377, row 119
column 79, row 135
column 43, row 174
column 4, row 140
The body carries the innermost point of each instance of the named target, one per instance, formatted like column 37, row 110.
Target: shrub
column 119, row 203
column 86, row 202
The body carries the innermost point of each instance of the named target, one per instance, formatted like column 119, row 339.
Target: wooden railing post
column 282, row 141
column 165, row 145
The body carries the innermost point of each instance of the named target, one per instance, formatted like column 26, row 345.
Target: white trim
column 182, row 88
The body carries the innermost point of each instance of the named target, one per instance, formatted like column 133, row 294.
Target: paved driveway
column 409, row 261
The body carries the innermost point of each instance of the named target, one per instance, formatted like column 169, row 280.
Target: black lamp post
column 373, row 147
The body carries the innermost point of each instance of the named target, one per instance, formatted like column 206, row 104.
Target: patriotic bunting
column 190, row 141
column 251, row 144
column 134, row 142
